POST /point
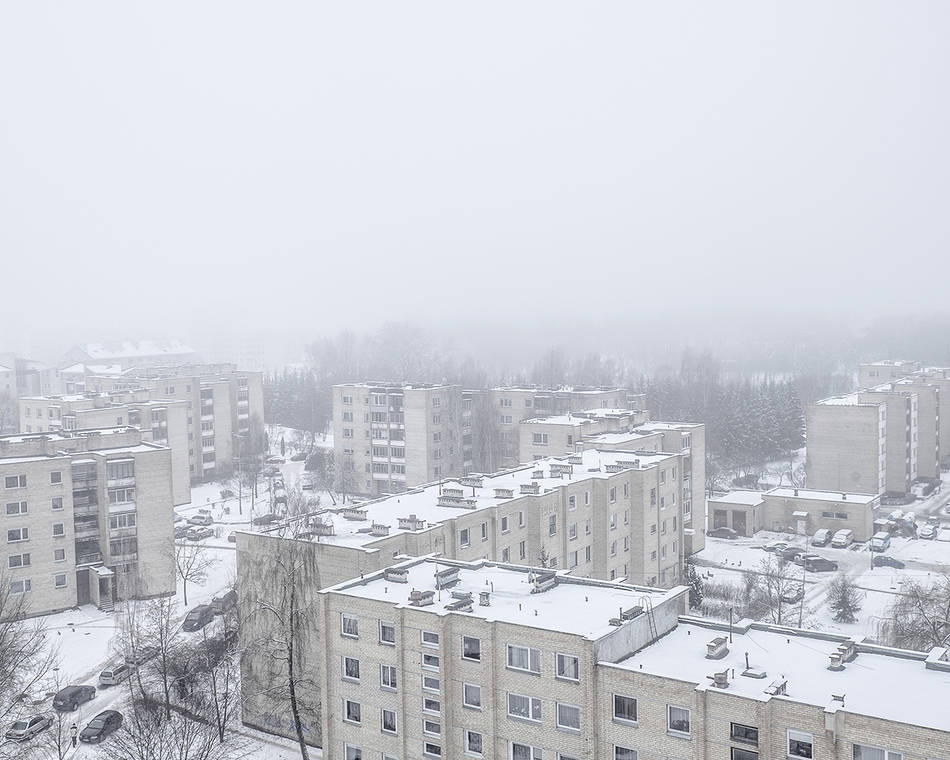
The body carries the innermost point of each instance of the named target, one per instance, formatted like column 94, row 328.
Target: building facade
column 89, row 517
column 847, row 445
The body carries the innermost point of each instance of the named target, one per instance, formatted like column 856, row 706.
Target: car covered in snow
column 794, row 594
column 843, row 538
column 927, row 531
column 822, row 537
column 26, row 728
column 723, row 532
column 198, row 533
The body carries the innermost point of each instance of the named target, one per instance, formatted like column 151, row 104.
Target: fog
column 494, row 170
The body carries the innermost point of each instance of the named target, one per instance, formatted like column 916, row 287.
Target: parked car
column 300, row 456
column 274, row 460
column 181, row 531
column 144, row 654
column 101, row 726
column 880, row 542
column 822, row 537
column 927, row 531
column 265, row 519
column 232, row 537
column 114, row 674
column 225, row 602
column 933, row 520
column 843, row 538
column 802, row 557
column 789, row 553
column 200, row 520
column 775, row 546
column 816, row 564
column 794, row 594
column 68, row 699
column 26, row 728
column 196, row 534
column 882, row 560
column 198, row 618
column 717, row 532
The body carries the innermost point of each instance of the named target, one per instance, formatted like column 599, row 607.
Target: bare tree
column 192, row 564
column 279, row 627
column 920, row 618
column 767, row 588
column 148, row 735
column 219, row 678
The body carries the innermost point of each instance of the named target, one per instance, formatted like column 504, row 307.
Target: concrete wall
column 845, row 450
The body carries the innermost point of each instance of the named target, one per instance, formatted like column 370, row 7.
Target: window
column 430, row 705
column 59, row 555
column 352, row 753
column 738, row 753
column 387, row 676
column 586, row 498
column 568, row 717
column 59, row 580
column 351, row 711
column 463, row 537
column 524, row 707
column 56, row 503
column 552, row 525
column 613, row 548
column 387, row 721
column 56, row 478
column 539, row 439
column 120, row 470
column 504, row 524
column 484, row 531
column 122, row 521
column 625, row 709
column 865, row 752
column 351, row 669
column 436, row 419
column 125, row 495
column 349, row 626
column 613, row 498
column 472, row 696
column 387, row 632
column 524, row 752
column 799, row 744
column 18, row 560
column 471, row 648
column 431, row 749
column 505, row 555
column 613, row 522
column 14, row 481
column 622, row 753
column 524, row 658
column 741, row 733
column 16, row 508
column 521, row 519
column 18, row 534
column 677, row 719
column 430, row 639
column 521, row 550
column 431, row 727
column 430, row 661
column 20, row 587
column 571, row 503
column 430, row 683
column 566, row 667
column 473, row 743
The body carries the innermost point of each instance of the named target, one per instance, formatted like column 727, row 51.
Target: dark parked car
column 25, row 729
column 789, row 553
column 815, row 564
column 882, row 560
column 68, row 699
column 198, row 618
column 795, row 594
column 723, row 533
column 101, row 726
column 225, row 602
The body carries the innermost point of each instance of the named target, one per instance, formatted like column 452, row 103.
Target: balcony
column 90, row 558
column 124, row 506
column 120, row 482
column 86, row 529
column 85, row 483
column 130, row 532
column 122, row 558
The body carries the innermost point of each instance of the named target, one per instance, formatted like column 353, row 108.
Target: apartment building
column 435, row 658
column 163, row 422
column 539, row 437
column 224, row 408
column 877, row 373
column 847, row 445
column 388, row 438
column 89, row 517
column 794, row 510
column 131, row 353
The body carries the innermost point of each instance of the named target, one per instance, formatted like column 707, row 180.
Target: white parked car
column 843, row 538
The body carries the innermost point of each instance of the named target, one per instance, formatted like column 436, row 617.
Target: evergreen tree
column 844, row 599
column 694, row 582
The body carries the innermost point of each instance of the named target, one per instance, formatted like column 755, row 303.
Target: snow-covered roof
column 424, row 502
column 883, row 684
column 837, row 496
column 749, row 498
column 135, row 348
column 576, row 418
column 851, row 399
column 575, row 606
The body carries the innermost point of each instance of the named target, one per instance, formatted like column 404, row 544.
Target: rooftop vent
column 484, row 599
column 411, row 523
column 614, row 467
column 460, row 605
column 559, row 468
column 458, row 492
column 396, row 574
column 353, row 513
column 717, row 649
column 615, row 621
column 777, row 687
column 504, row 493
column 379, row 529
column 472, row 481
column 631, row 613
column 720, row 680
column 421, row 598
column 321, row 529
column 629, row 464
column 844, row 497
column 447, row 577
column 462, row 595
column 847, row 651
column 835, row 661
column 537, row 475
column 575, row 460
column 531, row 488
column 541, row 582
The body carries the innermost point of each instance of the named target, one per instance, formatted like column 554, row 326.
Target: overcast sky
column 341, row 164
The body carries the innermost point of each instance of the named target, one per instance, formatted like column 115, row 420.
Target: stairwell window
column 567, row 667
column 625, row 709
column 349, row 626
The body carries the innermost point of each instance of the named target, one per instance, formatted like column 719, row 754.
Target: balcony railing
column 90, row 558
column 120, row 482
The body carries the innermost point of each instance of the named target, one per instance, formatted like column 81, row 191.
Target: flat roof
column 424, row 502
column 574, row 606
column 883, row 684
column 576, row 418
column 750, row 498
column 31, row 458
column 838, row 496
